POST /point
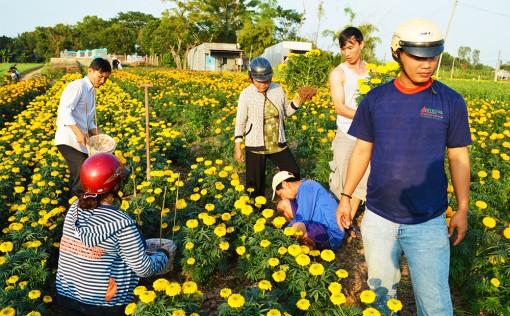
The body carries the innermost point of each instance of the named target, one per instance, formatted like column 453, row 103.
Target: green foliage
column 309, row 69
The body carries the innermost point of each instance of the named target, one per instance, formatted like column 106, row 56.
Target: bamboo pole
column 147, row 135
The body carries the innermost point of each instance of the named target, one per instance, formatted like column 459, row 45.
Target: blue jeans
column 427, row 250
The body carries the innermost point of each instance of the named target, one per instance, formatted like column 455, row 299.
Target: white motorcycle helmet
column 417, row 37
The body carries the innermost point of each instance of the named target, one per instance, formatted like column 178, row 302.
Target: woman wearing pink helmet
column 102, row 253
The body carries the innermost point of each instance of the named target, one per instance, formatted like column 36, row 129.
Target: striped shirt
column 101, row 246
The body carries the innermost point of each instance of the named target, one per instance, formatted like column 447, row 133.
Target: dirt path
column 32, row 74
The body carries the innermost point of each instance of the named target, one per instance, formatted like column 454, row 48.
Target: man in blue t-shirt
column 403, row 128
column 309, row 207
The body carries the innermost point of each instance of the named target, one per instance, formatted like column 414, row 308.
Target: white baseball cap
column 279, row 178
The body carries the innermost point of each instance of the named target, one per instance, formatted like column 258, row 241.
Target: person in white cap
column 309, row 207
column 404, row 128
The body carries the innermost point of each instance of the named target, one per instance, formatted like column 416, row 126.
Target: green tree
column 256, row 36
column 464, row 55
column 90, row 31
column 287, row 24
column 117, row 40
column 475, row 57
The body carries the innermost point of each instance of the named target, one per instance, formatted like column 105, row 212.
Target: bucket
column 153, row 244
column 101, row 143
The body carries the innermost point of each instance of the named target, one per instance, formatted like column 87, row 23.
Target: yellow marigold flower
column 370, row 66
column 147, row 297
column 225, row 292
column 8, row 311
column 194, row 197
column 294, row 250
column 265, row 285
column 260, row 200
column 334, row 287
column 265, row 243
column 150, row 199
column 13, row 279
column 367, row 296
column 279, row 221
column 224, row 245
column 15, row 226
column 303, row 304
column 273, row 262
column 342, row 274
column 279, row 276
column 481, row 204
column 160, row 284
column 506, row 233
column 19, row 189
column 364, row 89
column 495, row 282
column 496, row 174
column 482, row 174
column 236, row 300
column 258, row 227
column 2, row 260
column 303, row 260
column 189, row 245
column 34, row 294
column 246, row 210
column 209, row 207
column 316, row 269
column 241, row 250
column 173, row 289
column 392, row 66
column 274, row 312
column 192, row 223
column 34, row 313
column 6, row 246
column 338, row 298
column 289, row 231
column 220, row 231
column 130, row 309
column 371, row 312
column 191, row 261
column 189, row 287
column 139, row 289
column 282, row 250
column 47, row 299
column 328, row 255
column 394, row 305
column 489, row 222
column 268, row 213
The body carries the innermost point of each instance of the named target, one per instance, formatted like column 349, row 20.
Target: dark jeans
column 256, row 168
column 72, row 307
column 74, row 159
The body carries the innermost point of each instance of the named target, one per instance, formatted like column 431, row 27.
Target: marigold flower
column 342, row 274
column 192, row 223
column 506, row 232
column 489, row 222
column 236, row 300
column 47, row 299
column 279, row 221
column 139, row 289
column 289, row 231
column 279, row 276
column 268, row 213
column 303, row 260
column 334, row 287
column 316, row 269
column 303, row 304
column 224, row 245
column 260, row 200
column 274, row 312
column 173, row 289
column 220, row 231
column 13, row 279
column 147, row 297
column 294, row 250
column 481, row 205
column 482, row 174
column 34, row 294
column 394, row 305
column 189, row 245
column 367, row 296
column 338, row 298
column 495, row 282
column 191, row 261
column 225, row 292
column 189, row 287
column 273, row 262
column 8, row 311
column 34, row 313
column 257, row 228
column 265, row 285
column 370, row 311
column 328, row 255
column 241, row 250
column 265, row 243
column 179, row 312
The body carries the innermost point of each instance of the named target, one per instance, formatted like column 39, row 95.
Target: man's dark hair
column 101, row 64
column 279, row 186
column 348, row 33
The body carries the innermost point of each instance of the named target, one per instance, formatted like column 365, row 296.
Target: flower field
column 195, row 196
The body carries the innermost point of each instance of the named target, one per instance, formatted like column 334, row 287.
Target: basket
column 101, row 143
column 153, row 244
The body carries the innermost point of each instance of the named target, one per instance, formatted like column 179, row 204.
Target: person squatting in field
column 403, row 128
column 102, row 253
column 261, row 110
column 343, row 83
column 310, row 208
column 76, row 118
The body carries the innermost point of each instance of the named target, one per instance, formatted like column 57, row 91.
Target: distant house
column 277, row 53
column 503, row 74
column 215, row 57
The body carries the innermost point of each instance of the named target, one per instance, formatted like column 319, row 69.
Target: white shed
column 215, row 57
column 277, row 53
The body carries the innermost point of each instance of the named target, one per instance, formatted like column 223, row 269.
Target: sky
column 481, row 25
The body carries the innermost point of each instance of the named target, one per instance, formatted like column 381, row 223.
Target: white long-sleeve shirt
column 77, row 105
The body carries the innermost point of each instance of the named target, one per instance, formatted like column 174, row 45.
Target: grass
column 22, row 67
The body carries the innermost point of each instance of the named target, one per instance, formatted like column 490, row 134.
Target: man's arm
column 358, row 164
column 460, row 174
column 336, row 86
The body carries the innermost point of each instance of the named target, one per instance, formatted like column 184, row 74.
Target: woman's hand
column 238, row 153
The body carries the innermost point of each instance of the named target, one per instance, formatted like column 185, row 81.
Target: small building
column 503, row 74
column 215, row 57
column 278, row 53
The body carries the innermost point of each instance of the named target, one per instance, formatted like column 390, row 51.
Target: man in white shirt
column 75, row 121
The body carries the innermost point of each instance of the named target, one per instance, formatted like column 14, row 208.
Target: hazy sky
column 482, row 25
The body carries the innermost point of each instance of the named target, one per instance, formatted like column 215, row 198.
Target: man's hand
column 343, row 213
column 81, row 138
column 458, row 222
column 238, row 153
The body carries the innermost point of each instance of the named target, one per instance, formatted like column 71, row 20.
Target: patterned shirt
column 271, row 129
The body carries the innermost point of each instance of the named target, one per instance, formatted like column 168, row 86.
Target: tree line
column 254, row 24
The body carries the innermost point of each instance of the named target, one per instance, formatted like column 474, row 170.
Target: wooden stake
column 147, row 136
